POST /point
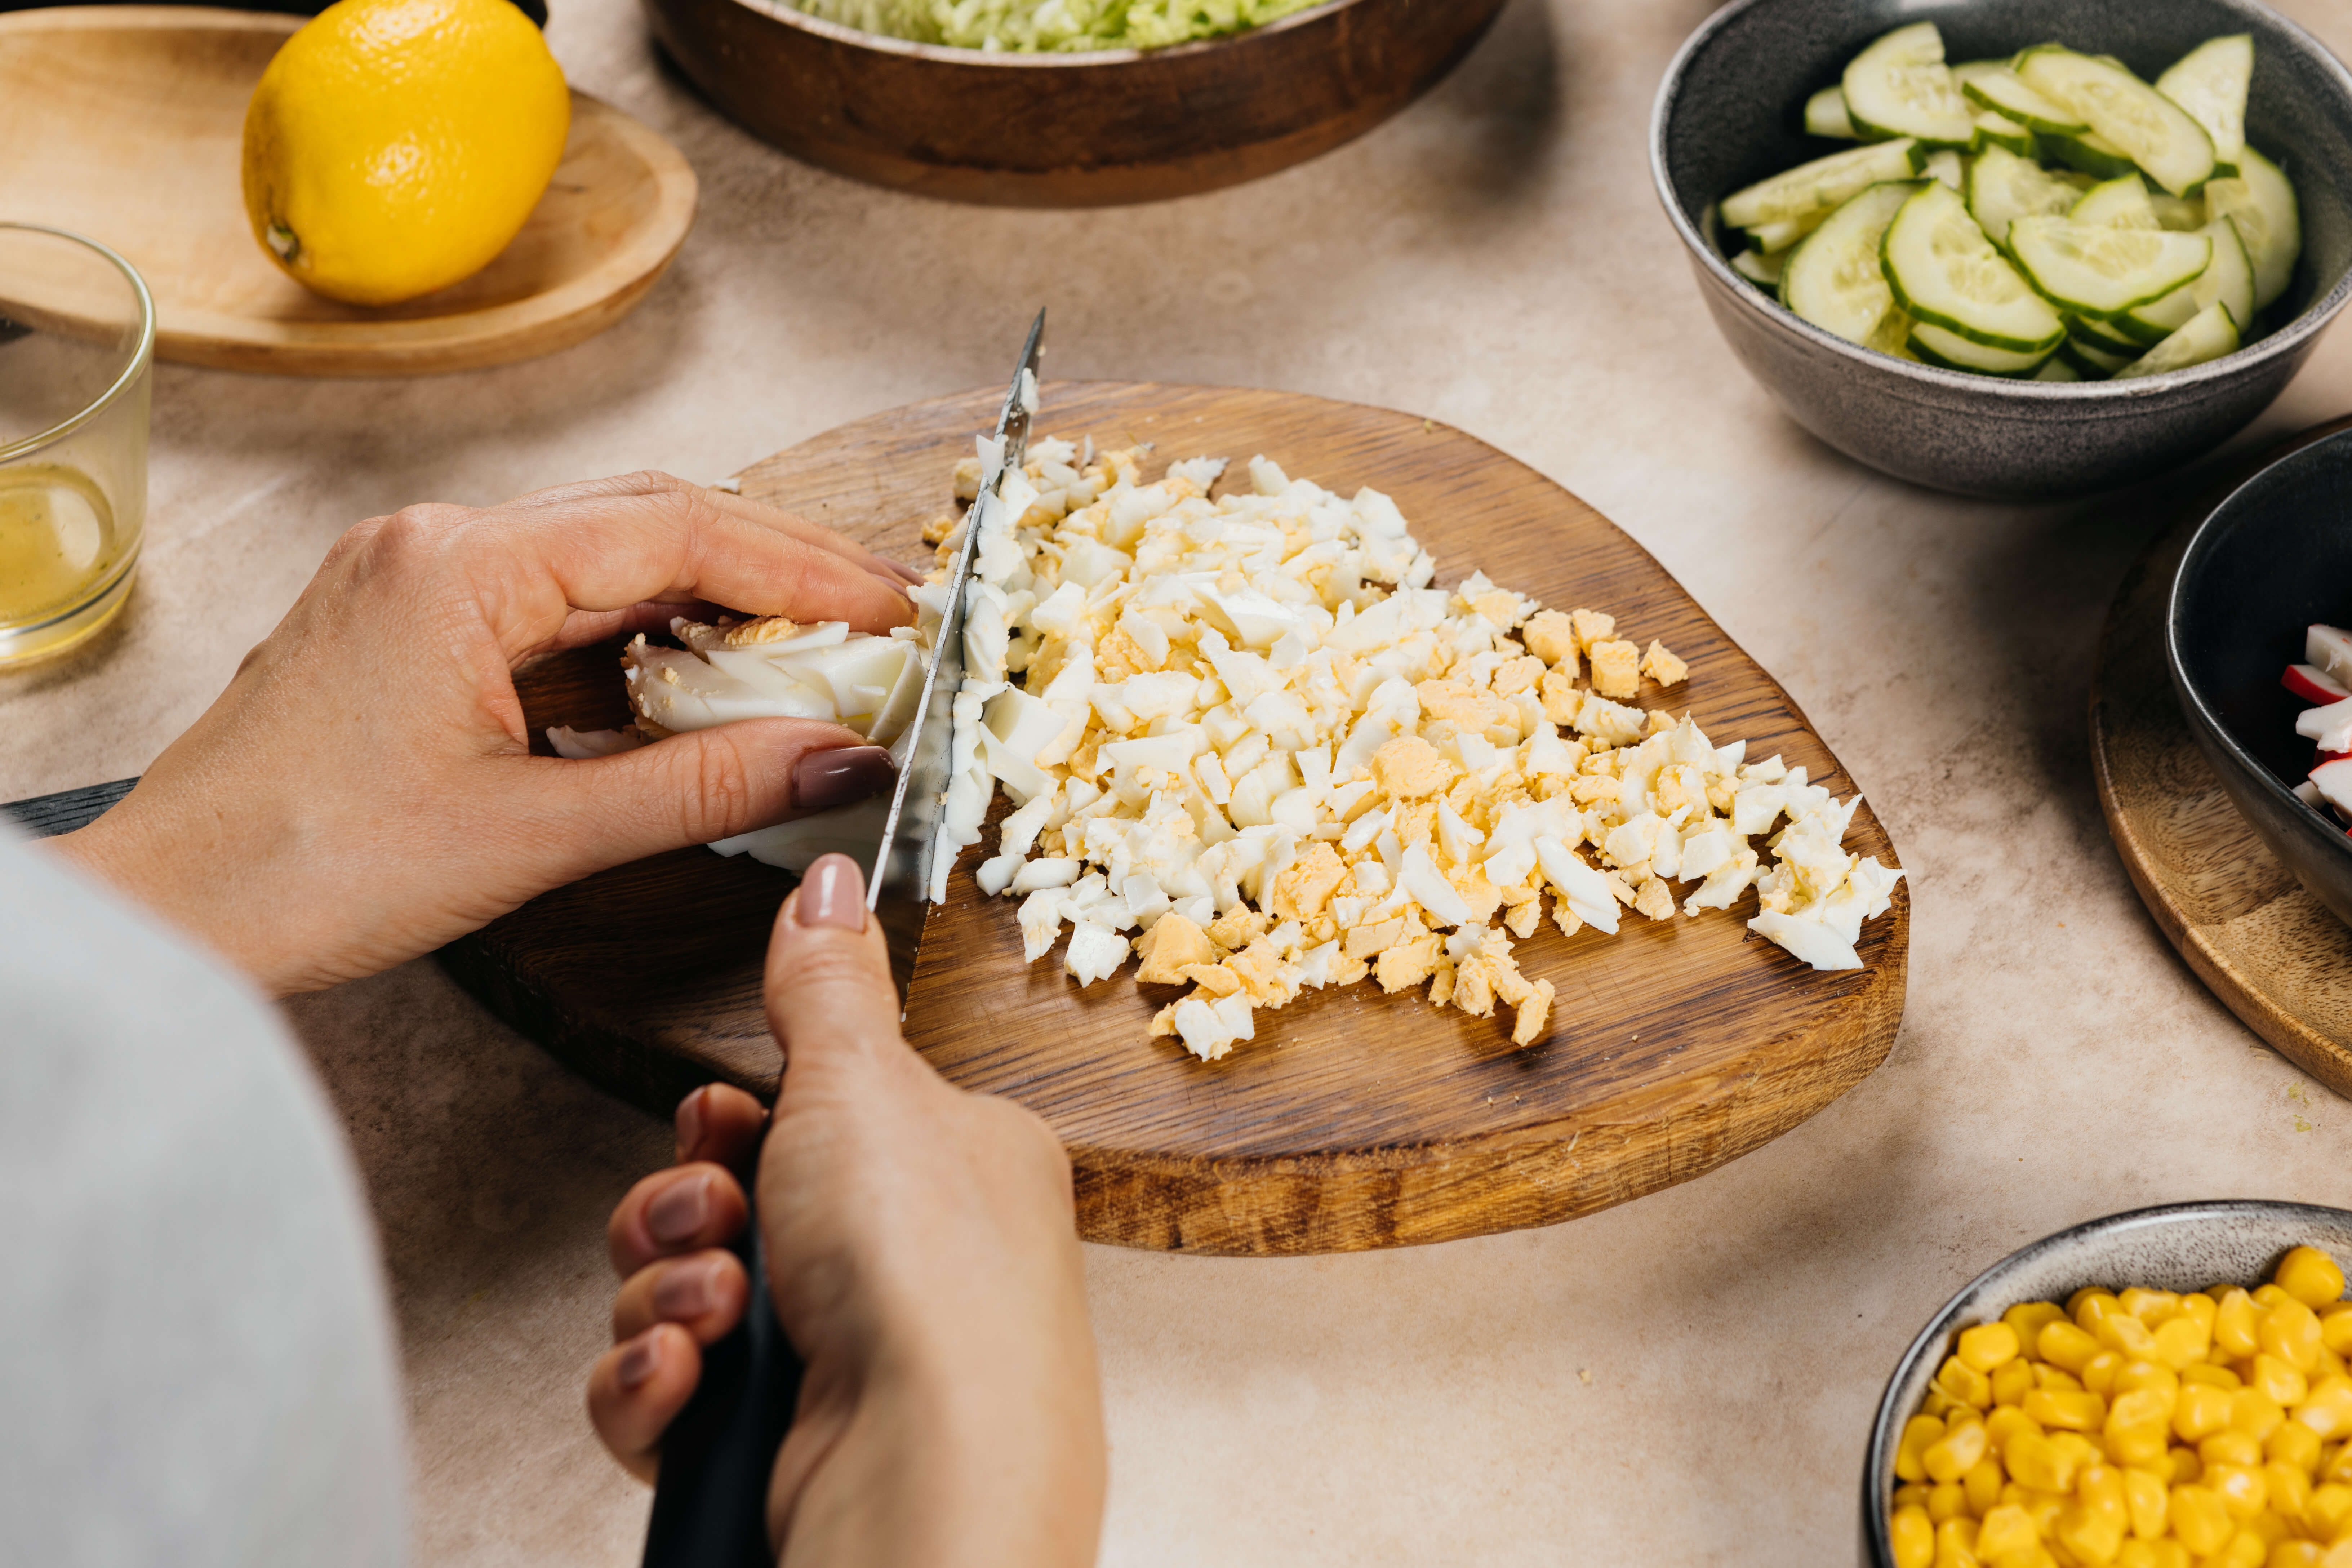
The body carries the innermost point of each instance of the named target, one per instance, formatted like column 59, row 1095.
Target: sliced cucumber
column 2154, row 132
column 2182, row 214
column 2105, row 336
column 2091, row 269
column 2210, row 81
column 1993, row 131
column 2056, row 368
column 1952, row 351
column 1894, row 334
column 1811, row 192
column 2004, row 92
column 2089, row 153
column 2208, row 335
column 1947, row 274
column 1945, row 165
column 1761, row 269
column 1900, row 86
column 2120, row 203
column 1833, row 278
column 2003, row 187
column 1825, row 115
column 1772, row 238
column 2094, row 363
column 2260, row 200
column 2228, row 282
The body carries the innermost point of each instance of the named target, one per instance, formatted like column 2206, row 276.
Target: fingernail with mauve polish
column 827, row 779
column 638, row 1362
column 913, row 574
column 689, row 1124
column 680, row 1212
column 832, row 894
column 687, row 1290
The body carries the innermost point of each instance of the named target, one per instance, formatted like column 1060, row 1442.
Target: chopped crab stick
column 2313, row 684
column 2334, row 781
column 2331, row 726
column 2330, row 647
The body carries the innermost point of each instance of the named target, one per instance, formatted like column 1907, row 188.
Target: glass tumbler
column 77, row 341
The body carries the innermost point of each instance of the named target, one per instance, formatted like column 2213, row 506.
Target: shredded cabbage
column 1030, row 27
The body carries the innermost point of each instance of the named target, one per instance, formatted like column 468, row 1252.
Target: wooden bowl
column 1065, row 131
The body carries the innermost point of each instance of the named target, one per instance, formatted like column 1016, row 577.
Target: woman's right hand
column 922, row 1259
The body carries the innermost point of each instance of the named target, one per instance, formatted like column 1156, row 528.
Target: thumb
column 704, row 784
column 829, row 996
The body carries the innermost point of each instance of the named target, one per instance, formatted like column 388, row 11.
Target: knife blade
column 710, row 1504
column 905, row 865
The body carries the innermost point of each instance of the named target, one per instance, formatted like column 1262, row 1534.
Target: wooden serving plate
column 126, row 123
column 2273, row 954
column 1356, row 1120
column 1064, row 131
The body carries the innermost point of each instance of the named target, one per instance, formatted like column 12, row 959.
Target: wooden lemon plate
column 2273, row 954
column 1356, row 1120
column 125, row 123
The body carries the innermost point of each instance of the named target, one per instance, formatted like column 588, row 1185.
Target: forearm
column 973, row 1470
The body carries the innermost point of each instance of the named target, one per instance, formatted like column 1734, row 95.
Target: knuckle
column 832, row 961
column 720, row 797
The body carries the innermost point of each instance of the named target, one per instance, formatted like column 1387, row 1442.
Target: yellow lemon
column 396, row 146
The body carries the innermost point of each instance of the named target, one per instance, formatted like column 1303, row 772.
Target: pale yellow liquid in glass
column 56, row 541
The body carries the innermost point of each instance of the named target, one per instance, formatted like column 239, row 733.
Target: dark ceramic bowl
column 1728, row 114
column 2271, row 559
column 2181, row 1246
column 1087, row 130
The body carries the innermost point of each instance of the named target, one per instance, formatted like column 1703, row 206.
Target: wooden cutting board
column 1356, row 1120
column 2275, row 955
column 126, row 123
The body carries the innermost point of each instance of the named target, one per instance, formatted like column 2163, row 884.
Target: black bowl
column 1729, row 113
column 2271, row 559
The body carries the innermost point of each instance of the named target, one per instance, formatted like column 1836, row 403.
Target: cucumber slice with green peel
column 1893, row 335
column 2228, row 282
column 1947, row 274
column 2003, row 187
column 1772, row 238
column 2089, row 153
column 1833, row 279
column 1900, row 86
column 1825, row 115
column 2091, row 269
column 2094, row 363
column 2056, row 368
column 1950, row 351
column 1811, row 192
column 2260, row 200
column 1992, row 130
column 2166, row 142
column 1945, row 165
column 2005, row 92
column 2210, row 81
column 1761, row 269
column 2120, row 203
column 2208, row 335
column 2105, row 337
column 2182, row 214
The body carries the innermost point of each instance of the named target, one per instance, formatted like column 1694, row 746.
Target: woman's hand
column 922, row 1260
column 364, row 791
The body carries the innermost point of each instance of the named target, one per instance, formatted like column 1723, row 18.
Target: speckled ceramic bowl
column 2271, row 559
column 1728, row 114
column 2181, row 1246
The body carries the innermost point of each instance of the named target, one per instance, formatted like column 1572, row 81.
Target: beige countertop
column 1688, row 1379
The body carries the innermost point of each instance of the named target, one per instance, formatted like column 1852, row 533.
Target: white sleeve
column 197, row 1359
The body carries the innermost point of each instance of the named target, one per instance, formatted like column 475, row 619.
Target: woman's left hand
column 364, row 789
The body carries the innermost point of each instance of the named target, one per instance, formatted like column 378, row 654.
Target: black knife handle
column 46, row 815
column 710, row 1505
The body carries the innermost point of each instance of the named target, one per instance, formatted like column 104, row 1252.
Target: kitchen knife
column 710, row 1504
